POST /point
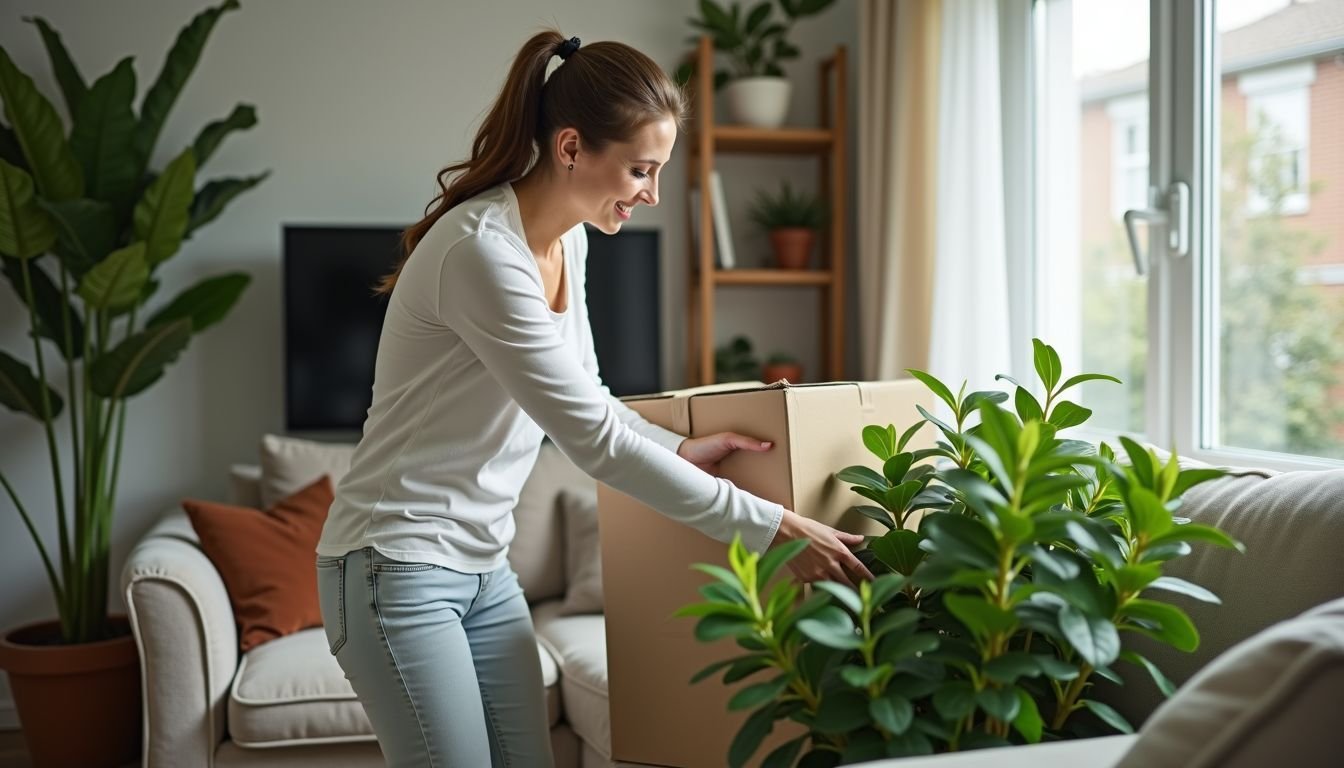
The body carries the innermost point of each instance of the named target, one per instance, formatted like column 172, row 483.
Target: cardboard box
column 657, row 716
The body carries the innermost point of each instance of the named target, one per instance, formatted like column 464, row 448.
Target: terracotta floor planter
column 79, row 705
column 791, row 372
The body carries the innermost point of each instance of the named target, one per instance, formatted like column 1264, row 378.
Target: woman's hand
column 827, row 557
column 706, row 452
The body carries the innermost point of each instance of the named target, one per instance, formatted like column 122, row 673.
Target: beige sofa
column 287, row 703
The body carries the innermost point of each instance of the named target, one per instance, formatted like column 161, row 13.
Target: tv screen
column 333, row 319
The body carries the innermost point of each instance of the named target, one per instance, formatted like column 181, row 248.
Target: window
column 1278, row 124
column 1230, row 340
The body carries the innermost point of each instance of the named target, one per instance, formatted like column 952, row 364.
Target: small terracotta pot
column 79, row 705
column 790, row 372
column 793, row 246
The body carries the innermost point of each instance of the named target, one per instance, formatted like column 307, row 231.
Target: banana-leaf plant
column 85, row 225
column 1015, row 565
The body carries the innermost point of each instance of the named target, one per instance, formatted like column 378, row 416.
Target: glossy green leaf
column 1093, row 637
column 211, row 200
column 879, row 441
column 67, row 74
column 1047, row 364
column 1183, row 587
column 844, row 594
column 40, row 133
column 1082, row 377
column 979, row 616
column 937, row 387
column 21, row 390
column 863, row 477
column 161, row 215
column 1196, row 532
column 1109, row 715
column 1028, row 407
column 893, row 712
column 717, row 627
column 841, row 711
column 1001, row 703
column 86, row 232
column 878, row 514
column 895, row 468
column 103, row 135
column 898, row 550
column 1163, row 683
column 750, row 735
column 1010, row 666
column 1164, row 622
column 831, row 627
column 862, row 677
column 177, row 68
column 776, row 557
column 754, row 696
column 243, row 117
column 1065, row 414
column 784, row 755
column 131, row 366
column 1028, row 721
column 116, row 281
column 908, row 434
column 1147, row 513
column 954, row 700
column 25, row 229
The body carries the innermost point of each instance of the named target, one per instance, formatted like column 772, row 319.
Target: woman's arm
column 489, row 297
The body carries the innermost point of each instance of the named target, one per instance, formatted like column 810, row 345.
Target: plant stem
column 1066, row 704
column 42, row 550
column 46, row 423
column 71, row 390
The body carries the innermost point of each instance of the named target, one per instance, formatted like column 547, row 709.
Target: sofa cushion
column 292, row 691
column 1293, row 527
column 537, row 553
column 289, row 463
column 1093, row 753
column 579, row 645
column 1273, row 699
column 265, row 559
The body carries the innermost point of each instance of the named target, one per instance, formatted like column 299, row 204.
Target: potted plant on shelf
column 792, row 220
column 1012, row 575
column 782, row 366
column 755, row 43
column 86, row 226
column 735, row 361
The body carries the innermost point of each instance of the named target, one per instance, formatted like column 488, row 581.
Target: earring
column 571, row 166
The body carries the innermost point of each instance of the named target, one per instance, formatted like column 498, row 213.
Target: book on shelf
column 723, row 237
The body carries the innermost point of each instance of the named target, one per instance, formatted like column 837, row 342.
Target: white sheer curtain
column 969, row 338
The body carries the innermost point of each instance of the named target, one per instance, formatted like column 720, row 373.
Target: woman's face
column 610, row 183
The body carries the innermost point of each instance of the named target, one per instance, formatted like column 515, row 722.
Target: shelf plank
column 746, row 139
column 772, row 277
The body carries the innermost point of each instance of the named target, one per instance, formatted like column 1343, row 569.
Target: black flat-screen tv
column 333, row 319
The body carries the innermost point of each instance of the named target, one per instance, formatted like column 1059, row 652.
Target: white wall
column 359, row 105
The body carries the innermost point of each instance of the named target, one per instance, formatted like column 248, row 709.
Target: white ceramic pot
column 762, row 102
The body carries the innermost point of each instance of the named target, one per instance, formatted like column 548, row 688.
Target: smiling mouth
column 623, row 208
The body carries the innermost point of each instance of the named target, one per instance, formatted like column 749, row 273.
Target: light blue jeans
column 444, row 663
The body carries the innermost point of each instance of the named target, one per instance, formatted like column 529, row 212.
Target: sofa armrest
column 188, row 643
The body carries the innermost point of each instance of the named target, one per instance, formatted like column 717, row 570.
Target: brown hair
column 607, row 91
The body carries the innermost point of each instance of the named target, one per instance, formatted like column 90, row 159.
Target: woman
column 486, row 348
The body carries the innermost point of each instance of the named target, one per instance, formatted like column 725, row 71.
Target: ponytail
column 503, row 147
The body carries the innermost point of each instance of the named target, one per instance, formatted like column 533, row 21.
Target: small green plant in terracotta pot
column 735, row 361
column 792, row 220
column 782, row 365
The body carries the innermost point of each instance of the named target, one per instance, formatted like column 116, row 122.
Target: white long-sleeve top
column 473, row 368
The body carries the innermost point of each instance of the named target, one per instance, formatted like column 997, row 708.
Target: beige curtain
column 898, row 130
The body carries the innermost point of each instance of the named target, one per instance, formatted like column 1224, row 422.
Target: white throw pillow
column 290, row 463
column 583, row 556
column 1273, row 699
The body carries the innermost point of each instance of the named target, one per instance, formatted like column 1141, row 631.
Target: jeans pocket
column 331, row 600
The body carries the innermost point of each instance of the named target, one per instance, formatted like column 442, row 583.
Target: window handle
column 1173, row 211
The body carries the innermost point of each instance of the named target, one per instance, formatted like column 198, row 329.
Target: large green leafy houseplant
column 1033, row 558
column 88, row 199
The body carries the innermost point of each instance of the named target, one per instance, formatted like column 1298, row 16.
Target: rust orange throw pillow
column 266, row 560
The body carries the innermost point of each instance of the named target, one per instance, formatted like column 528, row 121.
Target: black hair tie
column 568, row 47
